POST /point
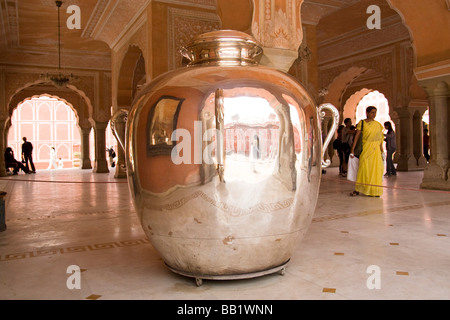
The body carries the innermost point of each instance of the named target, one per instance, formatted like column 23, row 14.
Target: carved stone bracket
column 183, row 25
column 277, row 26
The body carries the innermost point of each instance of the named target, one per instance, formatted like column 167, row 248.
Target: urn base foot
column 200, row 277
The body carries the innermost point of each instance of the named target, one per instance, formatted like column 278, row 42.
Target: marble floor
column 393, row 247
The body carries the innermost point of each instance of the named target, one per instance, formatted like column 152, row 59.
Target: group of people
column 27, row 164
column 371, row 159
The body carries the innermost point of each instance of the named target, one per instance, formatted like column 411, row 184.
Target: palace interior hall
column 72, row 72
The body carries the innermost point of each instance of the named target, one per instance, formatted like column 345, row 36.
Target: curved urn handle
column 118, row 122
column 335, row 112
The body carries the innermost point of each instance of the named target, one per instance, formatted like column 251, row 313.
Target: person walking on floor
column 52, row 159
column 391, row 146
column 27, row 155
column 370, row 173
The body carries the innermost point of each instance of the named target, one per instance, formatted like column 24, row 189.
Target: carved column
column 3, row 124
column 100, row 165
column 406, row 160
column 441, row 95
column 418, row 108
column 277, row 26
column 410, row 155
column 437, row 172
column 85, row 149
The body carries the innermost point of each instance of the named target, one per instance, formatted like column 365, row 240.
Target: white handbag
column 352, row 170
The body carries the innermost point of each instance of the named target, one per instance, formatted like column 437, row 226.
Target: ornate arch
column 339, row 84
column 71, row 95
column 131, row 75
column 349, row 108
column 338, row 79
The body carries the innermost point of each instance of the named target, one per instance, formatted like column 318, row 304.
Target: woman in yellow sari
column 371, row 166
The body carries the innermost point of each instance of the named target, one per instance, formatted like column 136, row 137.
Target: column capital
column 442, row 89
column 436, row 86
column 403, row 112
column 86, row 130
column 100, row 125
column 418, row 105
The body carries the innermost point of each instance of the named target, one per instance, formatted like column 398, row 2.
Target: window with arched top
column 377, row 100
column 44, row 112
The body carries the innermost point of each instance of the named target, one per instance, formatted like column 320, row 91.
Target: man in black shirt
column 27, row 154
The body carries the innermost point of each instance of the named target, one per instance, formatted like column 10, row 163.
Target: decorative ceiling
column 30, row 27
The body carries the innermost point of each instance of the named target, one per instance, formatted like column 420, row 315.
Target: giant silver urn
column 224, row 160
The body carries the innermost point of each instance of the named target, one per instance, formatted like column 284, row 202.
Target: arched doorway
column 47, row 121
column 131, row 78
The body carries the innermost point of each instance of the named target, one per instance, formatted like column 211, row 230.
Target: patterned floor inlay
column 329, row 290
column 73, row 249
column 71, row 215
column 379, row 211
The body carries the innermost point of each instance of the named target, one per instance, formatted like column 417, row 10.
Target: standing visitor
column 27, row 155
column 346, row 144
column 52, row 159
column 337, row 147
column 111, row 155
column 391, row 147
column 426, row 144
column 370, row 173
column 60, row 164
column 254, row 152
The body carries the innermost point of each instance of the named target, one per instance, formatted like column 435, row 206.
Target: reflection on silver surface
column 238, row 189
column 219, row 110
column 118, row 119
